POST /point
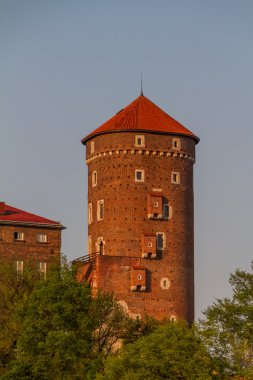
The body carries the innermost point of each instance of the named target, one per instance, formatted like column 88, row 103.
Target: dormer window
column 176, row 143
column 94, row 179
column 140, row 141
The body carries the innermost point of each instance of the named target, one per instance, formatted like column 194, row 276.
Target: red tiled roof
column 14, row 215
column 142, row 115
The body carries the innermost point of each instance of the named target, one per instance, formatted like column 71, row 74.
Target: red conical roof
column 142, row 115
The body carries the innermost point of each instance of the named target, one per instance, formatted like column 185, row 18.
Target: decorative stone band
column 141, row 152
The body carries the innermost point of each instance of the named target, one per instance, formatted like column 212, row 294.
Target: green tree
column 66, row 333
column 56, row 331
column 14, row 294
column 172, row 351
column 227, row 328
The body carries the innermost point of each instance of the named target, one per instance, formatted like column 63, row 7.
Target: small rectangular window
column 19, row 268
column 92, row 146
column 100, row 210
column 94, row 179
column 160, row 240
column 175, row 177
column 140, row 141
column 41, row 238
column 156, row 204
column 89, row 213
column 139, row 175
column 19, row 236
column 176, row 143
column 42, row 269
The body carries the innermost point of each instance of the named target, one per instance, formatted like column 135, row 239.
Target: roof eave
column 89, row 137
column 32, row 224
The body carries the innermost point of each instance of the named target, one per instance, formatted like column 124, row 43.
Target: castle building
column 140, row 212
column 28, row 240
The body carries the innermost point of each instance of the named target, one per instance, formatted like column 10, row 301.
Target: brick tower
column 140, row 212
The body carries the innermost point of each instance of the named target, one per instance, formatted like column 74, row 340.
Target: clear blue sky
column 67, row 66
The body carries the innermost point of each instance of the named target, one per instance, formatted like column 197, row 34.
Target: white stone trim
column 147, row 152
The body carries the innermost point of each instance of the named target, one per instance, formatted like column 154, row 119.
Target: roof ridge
column 142, row 114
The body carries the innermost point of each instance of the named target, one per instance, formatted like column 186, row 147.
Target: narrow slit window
column 89, row 245
column 160, row 241
column 166, row 211
column 92, row 146
column 100, row 210
column 90, row 213
column 94, row 179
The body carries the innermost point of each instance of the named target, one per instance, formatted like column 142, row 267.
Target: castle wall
column 127, row 226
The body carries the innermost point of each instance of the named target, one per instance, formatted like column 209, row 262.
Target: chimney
column 2, row 207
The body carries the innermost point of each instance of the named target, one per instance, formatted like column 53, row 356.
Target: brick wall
column 29, row 249
column 126, row 206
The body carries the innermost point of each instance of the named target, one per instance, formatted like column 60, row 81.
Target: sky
column 68, row 66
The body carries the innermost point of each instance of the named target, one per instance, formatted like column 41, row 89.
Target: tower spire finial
column 141, row 85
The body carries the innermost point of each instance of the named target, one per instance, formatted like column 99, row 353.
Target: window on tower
column 176, row 143
column 140, row 141
column 166, row 211
column 175, row 177
column 89, row 213
column 100, row 209
column 139, row 175
column 160, row 240
column 94, row 178
column 89, row 245
column 92, row 146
